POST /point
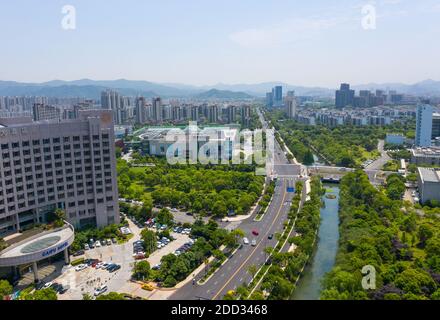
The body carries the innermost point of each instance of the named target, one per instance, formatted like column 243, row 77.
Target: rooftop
column 429, row 175
column 431, row 152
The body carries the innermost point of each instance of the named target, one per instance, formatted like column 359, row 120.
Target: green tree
column 142, row 270
column 165, row 217
column 149, row 238
column 111, row 296
column 43, row 294
column 5, row 289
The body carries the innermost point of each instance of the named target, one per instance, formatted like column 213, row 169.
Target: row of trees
column 380, row 230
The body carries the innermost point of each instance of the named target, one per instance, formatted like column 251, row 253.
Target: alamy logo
column 220, row 145
column 369, row 278
column 69, row 20
column 368, row 17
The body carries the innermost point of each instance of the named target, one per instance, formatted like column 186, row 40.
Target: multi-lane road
column 236, row 270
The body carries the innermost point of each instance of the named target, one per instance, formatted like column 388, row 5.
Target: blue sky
column 203, row 42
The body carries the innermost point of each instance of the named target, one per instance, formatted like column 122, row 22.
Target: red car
column 255, row 232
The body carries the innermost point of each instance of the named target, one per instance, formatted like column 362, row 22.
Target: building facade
column 424, row 125
column 69, row 165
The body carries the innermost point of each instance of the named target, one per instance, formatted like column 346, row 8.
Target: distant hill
column 223, row 94
column 92, row 89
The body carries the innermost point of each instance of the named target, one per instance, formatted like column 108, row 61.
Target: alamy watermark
column 221, row 145
column 369, row 16
column 68, row 22
column 369, row 278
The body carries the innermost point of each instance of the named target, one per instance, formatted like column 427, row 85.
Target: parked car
column 270, row 237
column 80, row 267
column 255, row 232
column 47, row 285
column 78, row 253
column 86, row 247
column 100, row 290
column 97, row 244
column 114, row 240
column 63, row 289
column 245, row 240
column 114, row 268
column 254, row 243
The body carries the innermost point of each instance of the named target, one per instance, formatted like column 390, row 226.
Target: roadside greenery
column 265, row 200
column 400, row 241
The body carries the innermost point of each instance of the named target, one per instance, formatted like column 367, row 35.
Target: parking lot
column 90, row 278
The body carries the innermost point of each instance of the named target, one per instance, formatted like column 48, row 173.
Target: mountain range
column 92, row 89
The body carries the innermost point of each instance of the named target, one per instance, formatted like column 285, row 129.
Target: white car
column 100, row 290
column 97, row 244
column 99, row 265
column 80, row 267
column 245, row 240
column 47, row 285
column 254, row 243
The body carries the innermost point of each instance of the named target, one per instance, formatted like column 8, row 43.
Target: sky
column 204, row 42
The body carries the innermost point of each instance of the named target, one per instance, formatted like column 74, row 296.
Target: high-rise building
column 69, row 164
column 246, row 115
column 157, row 110
column 424, row 125
column 290, row 102
column 435, row 125
column 344, row 96
column 45, row 112
column 231, row 114
column 194, row 111
column 141, row 116
column 277, row 93
column 213, row 113
column 111, row 100
column 269, row 100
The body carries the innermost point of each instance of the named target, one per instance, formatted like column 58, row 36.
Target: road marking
column 253, row 251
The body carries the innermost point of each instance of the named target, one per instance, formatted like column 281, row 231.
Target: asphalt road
column 382, row 160
column 235, row 271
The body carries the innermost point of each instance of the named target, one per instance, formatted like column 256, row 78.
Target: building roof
column 429, row 175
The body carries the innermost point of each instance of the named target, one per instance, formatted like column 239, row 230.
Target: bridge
column 335, row 174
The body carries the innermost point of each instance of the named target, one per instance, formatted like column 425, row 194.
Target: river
column 323, row 260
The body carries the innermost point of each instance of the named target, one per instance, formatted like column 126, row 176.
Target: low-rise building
column 392, row 138
column 429, row 184
column 425, row 156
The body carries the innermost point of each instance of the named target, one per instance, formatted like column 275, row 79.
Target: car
column 47, row 285
column 100, row 290
column 92, row 245
column 245, row 240
column 110, row 265
column 86, row 247
column 255, row 232
column 80, row 267
column 57, row 287
column 114, row 268
column 63, row 289
column 78, row 253
column 97, row 244
column 114, row 240
column 156, row 267
column 254, row 243
column 99, row 265
column 147, row 287
column 270, row 237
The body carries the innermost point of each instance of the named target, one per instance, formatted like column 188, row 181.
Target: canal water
column 323, row 260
